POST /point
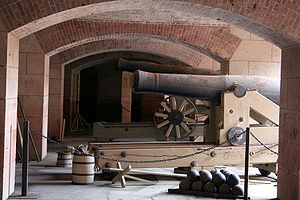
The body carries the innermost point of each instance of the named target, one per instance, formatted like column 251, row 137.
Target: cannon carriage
column 236, row 102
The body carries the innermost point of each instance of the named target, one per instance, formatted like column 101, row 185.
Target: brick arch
column 214, row 41
column 99, row 56
column 276, row 21
column 164, row 48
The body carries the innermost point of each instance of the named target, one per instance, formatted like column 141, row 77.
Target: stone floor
column 46, row 181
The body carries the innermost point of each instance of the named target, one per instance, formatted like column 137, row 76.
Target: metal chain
column 199, row 151
column 263, row 144
column 49, row 139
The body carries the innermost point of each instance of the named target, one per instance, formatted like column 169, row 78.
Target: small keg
column 83, row 169
column 64, row 159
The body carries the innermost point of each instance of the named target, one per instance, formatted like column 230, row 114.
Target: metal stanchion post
column 25, row 158
column 247, row 164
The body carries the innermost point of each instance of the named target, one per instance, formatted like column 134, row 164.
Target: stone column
column 34, row 89
column 56, row 92
column 9, row 61
column 289, row 135
column 126, row 97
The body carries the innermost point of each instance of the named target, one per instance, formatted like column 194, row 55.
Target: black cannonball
column 205, row 176
column 225, row 172
column 184, row 185
column 210, row 187
column 197, row 186
column 225, row 188
column 237, row 190
column 233, row 180
column 218, row 178
column 213, row 171
column 193, row 175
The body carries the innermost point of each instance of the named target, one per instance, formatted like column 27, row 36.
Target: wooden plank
column 19, row 135
column 204, row 194
column 120, row 177
column 222, row 156
column 236, row 113
column 19, row 145
column 267, row 135
column 62, row 133
column 263, row 105
column 147, row 172
column 139, row 179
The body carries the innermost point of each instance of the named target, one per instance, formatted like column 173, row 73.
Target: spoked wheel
column 175, row 117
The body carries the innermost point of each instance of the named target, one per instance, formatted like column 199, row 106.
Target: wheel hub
column 175, row 117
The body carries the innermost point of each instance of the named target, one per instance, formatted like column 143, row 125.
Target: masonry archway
column 275, row 21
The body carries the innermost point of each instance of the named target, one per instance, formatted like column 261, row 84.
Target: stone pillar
column 9, row 61
column 289, row 135
column 56, row 92
column 126, row 97
column 34, row 89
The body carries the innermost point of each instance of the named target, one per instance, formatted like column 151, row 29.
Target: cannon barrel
column 131, row 66
column 202, row 86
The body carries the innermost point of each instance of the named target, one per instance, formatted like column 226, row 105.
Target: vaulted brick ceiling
column 175, row 51
column 277, row 21
column 214, row 41
column 116, row 54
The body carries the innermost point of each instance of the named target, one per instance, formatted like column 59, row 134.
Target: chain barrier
column 178, row 157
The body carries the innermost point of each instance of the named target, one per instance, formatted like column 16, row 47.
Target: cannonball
column 210, row 187
column 225, row 172
column 213, row 171
column 184, row 185
column 225, row 188
column 205, row 176
column 197, row 186
column 237, row 190
column 218, row 178
column 233, row 180
column 193, row 175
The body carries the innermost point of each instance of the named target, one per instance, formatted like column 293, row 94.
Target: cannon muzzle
column 202, row 86
column 131, row 66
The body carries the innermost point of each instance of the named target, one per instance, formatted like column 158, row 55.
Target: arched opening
column 275, row 21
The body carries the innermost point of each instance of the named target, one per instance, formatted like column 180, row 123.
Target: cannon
column 205, row 87
column 131, row 66
column 235, row 103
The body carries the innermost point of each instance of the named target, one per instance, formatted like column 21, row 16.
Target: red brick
column 209, row 38
column 176, row 51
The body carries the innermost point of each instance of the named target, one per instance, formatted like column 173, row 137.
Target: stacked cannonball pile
column 223, row 182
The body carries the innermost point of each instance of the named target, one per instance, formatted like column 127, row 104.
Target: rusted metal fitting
column 193, row 164
column 108, row 165
column 213, row 154
column 123, row 154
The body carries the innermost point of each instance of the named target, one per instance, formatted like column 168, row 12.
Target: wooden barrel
column 83, row 169
column 64, row 159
